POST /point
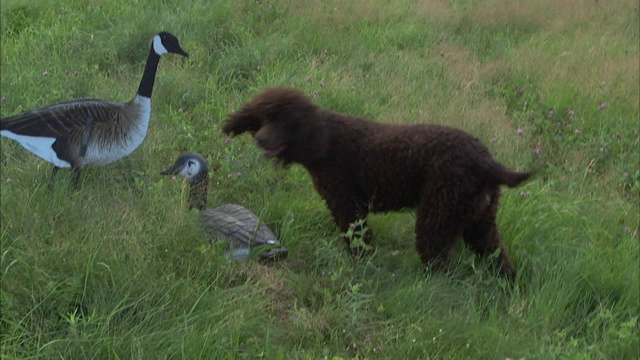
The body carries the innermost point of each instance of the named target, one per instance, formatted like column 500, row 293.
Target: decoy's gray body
column 242, row 229
column 90, row 132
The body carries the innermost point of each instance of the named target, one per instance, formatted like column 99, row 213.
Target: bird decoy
column 243, row 230
column 90, row 132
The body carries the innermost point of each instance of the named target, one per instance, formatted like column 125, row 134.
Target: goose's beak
column 172, row 170
column 179, row 51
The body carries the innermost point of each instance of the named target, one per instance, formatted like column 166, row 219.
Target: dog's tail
column 512, row 178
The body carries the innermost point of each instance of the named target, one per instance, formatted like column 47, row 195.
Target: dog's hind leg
column 435, row 243
column 483, row 237
column 437, row 230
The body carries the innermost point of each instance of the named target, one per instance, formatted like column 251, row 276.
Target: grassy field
column 119, row 269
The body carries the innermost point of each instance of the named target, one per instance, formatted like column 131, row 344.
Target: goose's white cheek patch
column 191, row 169
column 40, row 146
column 158, row 47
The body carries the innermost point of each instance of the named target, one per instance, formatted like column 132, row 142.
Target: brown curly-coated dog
column 359, row 166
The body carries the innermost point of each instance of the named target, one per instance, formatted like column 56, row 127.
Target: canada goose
column 242, row 228
column 89, row 132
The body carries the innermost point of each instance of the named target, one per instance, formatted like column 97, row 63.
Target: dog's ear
column 242, row 121
column 312, row 137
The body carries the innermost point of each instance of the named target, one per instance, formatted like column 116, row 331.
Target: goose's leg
column 53, row 177
column 84, row 143
column 75, row 178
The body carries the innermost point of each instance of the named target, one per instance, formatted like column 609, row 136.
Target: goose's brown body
column 117, row 130
column 90, row 132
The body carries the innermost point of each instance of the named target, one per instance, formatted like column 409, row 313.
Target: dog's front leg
column 349, row 212
column 351, row 219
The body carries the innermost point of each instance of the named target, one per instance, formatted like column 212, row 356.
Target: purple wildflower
column 229, row 175
column 46, row 73
column 309, row 78
column 602, row 106
column 537, row 150
column 238, row 174
column 520, row 131
column 326, row 52
column 578, row 131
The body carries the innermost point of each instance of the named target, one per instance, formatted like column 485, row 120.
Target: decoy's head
column 192, row 166
column 166, row 42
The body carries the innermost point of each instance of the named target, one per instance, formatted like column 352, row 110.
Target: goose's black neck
column 198, row 192
column 149, row 75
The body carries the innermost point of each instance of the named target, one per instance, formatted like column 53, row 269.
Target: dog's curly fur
column 359, row 166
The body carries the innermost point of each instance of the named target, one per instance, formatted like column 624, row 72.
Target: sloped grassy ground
column 119, row 269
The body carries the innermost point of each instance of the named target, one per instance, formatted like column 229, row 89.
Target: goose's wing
column 239, row 225
column 62, row 118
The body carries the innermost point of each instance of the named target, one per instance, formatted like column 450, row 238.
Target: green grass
column 118, row 269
